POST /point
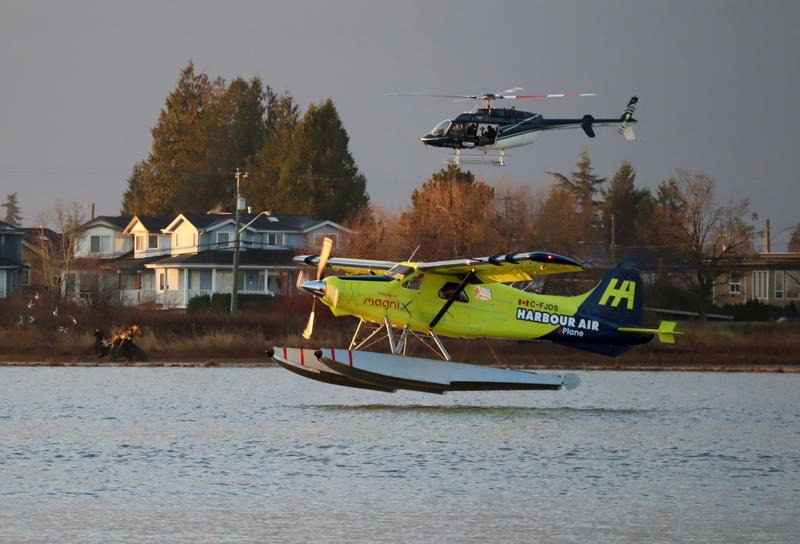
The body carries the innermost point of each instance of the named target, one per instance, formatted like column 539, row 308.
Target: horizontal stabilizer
column 586, row 125
column 627, row 132
column 666, row 331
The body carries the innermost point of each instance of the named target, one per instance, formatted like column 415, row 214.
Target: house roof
column 128, row 262
column 152, row 223
column 34, row 235
column 249, row 258
column 9, row 228
column 116, row 221
column 257, row 222
column 200, row 221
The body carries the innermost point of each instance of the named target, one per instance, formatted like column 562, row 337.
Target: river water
column 140, row 455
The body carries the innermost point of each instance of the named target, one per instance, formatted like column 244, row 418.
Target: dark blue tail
column 617, row 302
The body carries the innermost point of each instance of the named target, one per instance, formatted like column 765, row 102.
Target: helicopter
column 466, row 299
column 492, row 130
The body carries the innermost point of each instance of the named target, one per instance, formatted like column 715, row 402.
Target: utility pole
column 239, row 206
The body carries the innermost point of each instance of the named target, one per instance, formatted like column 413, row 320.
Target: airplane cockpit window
column 441, row 128
column 399, row 271
column 414, row 283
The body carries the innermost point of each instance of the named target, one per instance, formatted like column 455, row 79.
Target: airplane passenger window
column 449, row 288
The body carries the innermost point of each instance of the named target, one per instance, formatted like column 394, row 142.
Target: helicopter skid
column 434, row 376
column 486, row 157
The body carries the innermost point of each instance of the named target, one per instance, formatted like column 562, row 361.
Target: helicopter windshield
column 441, row 128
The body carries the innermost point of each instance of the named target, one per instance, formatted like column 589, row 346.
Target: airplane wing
column 349, row 266
column 505, row 268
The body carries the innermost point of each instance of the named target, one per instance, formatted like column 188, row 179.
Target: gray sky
column 83, row 82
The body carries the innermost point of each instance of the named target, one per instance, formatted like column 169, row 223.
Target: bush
column 200, row 303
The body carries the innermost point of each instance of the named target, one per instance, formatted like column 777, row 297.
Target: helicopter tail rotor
column 627, row 116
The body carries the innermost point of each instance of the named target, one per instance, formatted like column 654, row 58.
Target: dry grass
column 35, row 334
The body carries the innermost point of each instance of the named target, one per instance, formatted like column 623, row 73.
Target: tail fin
column 618, row 298
column 627, row 116
column 611, row 316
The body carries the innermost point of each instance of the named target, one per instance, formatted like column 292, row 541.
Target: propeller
column 324, row 254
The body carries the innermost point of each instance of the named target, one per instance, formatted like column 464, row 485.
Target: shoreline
column 616, row 366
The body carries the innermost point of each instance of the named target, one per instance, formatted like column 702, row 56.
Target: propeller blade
column 324, row 254
column 301, row 278
column 310, row 326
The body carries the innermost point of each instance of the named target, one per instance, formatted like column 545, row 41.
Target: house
column 770, row 278
column 11, row 266
column 94, row 244
column 165, row 261
column 40, row 247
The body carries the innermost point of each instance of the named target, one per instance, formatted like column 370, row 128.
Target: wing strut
column 460, row 289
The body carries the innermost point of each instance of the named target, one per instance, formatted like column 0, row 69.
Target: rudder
column 618, row 298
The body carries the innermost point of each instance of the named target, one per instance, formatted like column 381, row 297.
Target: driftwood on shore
column 120, row 345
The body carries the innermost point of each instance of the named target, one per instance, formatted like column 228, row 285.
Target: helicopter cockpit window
column 441, row 128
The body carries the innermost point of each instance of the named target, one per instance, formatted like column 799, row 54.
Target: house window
column 99, row 244
column 146, row 241
column 735, row 284
column 205, row 279
column 275, row 239
column 253, row 281
column 761, row 284
column 223, row 239
column 779, row 292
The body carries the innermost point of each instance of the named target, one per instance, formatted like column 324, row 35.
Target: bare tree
column 703, row 231
column 376, row 235
column 58, row 255
column 452, row 215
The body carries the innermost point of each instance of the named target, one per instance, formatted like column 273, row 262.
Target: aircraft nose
column 426, row 139
column 315, row 287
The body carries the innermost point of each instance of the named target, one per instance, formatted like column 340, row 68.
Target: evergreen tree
column 319, row 176
column 625, row 208
column 583, row 183
column 235, row 129
column 205, row 130
column 264, row 168
column 13, row 215
column 208, row 129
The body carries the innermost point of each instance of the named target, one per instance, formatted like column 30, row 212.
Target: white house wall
column 184, row 239
column 118, row 244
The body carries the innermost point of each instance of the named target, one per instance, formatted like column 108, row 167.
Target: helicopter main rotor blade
column 494, row 96
column 552, row 95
